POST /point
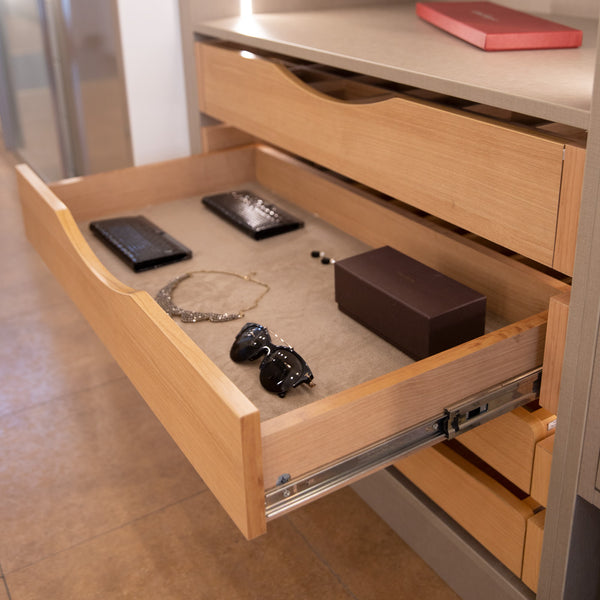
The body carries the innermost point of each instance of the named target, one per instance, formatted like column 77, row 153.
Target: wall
column 154, row 81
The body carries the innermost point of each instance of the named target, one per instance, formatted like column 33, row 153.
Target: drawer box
column 224, row 428
column 494, row 515
column 510, row 184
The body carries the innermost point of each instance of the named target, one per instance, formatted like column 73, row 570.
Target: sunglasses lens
column 282, row 370
column 251, row 342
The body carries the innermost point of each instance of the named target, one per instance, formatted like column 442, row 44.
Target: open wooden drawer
column 512, row 183
column 217, row 425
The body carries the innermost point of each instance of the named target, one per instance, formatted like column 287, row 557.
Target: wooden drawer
column 239, row 439
column 508, row 443
column 493, row 514
column 510, row 184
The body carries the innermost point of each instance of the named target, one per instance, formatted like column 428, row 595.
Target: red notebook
column 494, row 27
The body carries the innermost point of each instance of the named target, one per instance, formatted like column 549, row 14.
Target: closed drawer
column 513, row 185
column 238, row 437
column 495, row 515
column 509, row 442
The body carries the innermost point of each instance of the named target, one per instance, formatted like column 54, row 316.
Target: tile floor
column 96, row 502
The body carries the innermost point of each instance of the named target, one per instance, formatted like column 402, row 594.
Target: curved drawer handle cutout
column 331, row 84
column 65, row 225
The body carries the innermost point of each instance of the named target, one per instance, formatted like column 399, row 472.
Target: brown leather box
column 417, row 309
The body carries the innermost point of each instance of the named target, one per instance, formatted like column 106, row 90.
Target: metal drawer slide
column 469, row 413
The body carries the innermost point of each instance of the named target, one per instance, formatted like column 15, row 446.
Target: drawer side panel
column 306, row 438
column 215, row 426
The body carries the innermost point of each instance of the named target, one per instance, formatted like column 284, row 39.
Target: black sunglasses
column 281, row 369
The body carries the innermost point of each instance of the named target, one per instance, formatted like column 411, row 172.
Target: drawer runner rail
column 456, row 419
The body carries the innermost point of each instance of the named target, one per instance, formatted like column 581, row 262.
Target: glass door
column 62, row 92
column 30, row 122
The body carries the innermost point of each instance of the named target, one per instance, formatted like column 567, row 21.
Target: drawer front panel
column 533, row 550
column 568, row 212
column 542, row 466
column 499, row 182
